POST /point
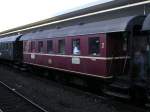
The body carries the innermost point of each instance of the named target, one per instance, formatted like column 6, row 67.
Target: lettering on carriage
column 32, row 56
column 75, row 60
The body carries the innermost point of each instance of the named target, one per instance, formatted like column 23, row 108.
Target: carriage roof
column 107, row 26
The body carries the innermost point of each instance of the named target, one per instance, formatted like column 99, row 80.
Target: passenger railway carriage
column 100, row 45
column 11, row 48
column 102, row 51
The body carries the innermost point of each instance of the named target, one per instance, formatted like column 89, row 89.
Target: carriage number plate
column 75, row 60
column 32, row 56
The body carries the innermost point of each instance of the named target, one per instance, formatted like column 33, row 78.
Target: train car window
column 0, row 46
column 25, row 46
column 28, row 46
column 76, row 47
column 32, row 46
column 94, row 46
column 40, row 47
column 4, row 46
column 7, row 46
column 61, row 46
column 49, row 46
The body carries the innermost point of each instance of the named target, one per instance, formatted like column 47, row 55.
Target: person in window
column 76, row 50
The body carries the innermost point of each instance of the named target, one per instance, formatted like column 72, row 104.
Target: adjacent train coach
column 11, row 48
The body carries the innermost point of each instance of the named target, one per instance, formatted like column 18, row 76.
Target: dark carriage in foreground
column 114, row 50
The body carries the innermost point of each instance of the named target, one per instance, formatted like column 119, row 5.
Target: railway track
column 75, row 89
column 13, row 101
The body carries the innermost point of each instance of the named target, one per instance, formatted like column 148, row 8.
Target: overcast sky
column 15, row 13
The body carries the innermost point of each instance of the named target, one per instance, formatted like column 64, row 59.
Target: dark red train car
column 97, row 49
column 101, row 42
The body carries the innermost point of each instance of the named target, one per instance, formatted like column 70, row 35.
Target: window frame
column 52, row 47
column 90, row 48
column 28, row 46
column 39, row 47
column 59, row 49
column 72, row 51
column 25, row 46
column 33, row 47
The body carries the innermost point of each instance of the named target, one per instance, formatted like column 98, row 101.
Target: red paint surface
column 111, row 47
column 95, row 67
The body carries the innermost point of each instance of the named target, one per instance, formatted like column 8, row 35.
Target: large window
column 94, row 46
column 25, row 46
column 76, row 47
column 0, row 46
column 40, row 47
column 49, row 46
column 6, row 46
column 9, row 45
column 61, row 46
column 32, row 46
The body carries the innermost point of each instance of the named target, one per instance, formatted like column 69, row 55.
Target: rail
column 22, row 97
